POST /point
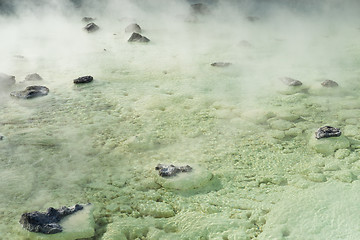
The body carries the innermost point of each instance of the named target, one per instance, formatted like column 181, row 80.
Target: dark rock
column 6, row 80
column 84, row 79
column 220, row 64
column 290, row 81
column 87, row 19
column 31, row 92
column 47, row 222
column 135, row 37
column 133, row 28
column 329, row 84
column 327, row 131
column 1, row 137
column 33, row 77
column 199, row 8
column 171, row 170
column 91, row 27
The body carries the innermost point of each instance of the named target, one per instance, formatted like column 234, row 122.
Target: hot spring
column 203, row 92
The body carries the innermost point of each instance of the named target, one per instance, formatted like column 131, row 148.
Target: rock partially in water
column 31, row 92
column 199, row 8
column 87, row 19
column 171, row 170
column 290, row 81
column 6, row 80
column 327, row 131
column 133, row 28
column 47, row 222
column 220, row 64
column 329, row 83
column 135, row 37
column 84, row 79
column 91, row 27
column 33, row 77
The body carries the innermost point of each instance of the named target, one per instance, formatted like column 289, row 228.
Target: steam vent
column 179, row 119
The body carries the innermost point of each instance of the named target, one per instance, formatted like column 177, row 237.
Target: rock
column 327, row 131
column 91, row 27
column 31, row 92
column 33, row 77
column 47, row 222
column 199, row 8
column 84, row 79
column 171, row 170
column 290, row 82
column 87, row 19
column 220, row 64
column 329, row 83
column 328, row 146
column 133, row 28
column 135, row 37
column 6, row 80
column 1, row 137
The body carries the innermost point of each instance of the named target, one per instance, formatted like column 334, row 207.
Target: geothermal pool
column 259, row 172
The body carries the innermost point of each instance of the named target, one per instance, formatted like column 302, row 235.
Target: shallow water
column 164, row 103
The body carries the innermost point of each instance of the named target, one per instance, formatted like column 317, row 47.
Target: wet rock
column 171, row 170
column 199, row 8
column 31, row 92
column 220, row 64
column 133, row 28
column 87, row 19
column 91, row 27
column 135, row 37
column 47, row 222
column 6, row 80
column 329, row 83
column 327, row 131
column 33, row 77
column 290, row 81
column 84, row 79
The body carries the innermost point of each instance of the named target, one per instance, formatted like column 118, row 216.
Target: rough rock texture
column 135, row 37
column 133, row 28
column 6, row 80
column 84, row 79
column 220, row 64
column 87, row 19
column 329, row 83
column 327, row 131
column 171, row 170
column 31, row 92
column 47, row 222
column 91, row 27
column 33, row 77
column 290, row 81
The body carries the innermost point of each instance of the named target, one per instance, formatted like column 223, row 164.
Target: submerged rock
column 33, row 77
column 31, row 92
column 84, row 79
column 220, row 64
column 171, row 170
column 47, row 222
column 327, row 131
column 135, row 37
column 91, row 27
column 6, row 80
column 290, row 81
column 87, row 19
column 329, row 83
column 133, row 28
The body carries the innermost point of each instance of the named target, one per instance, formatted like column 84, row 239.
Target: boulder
column 171, row 170
column 220, row 64
column 31, row 92
column 290, row 81
column 33, row 77
column 133, row 28
column 84, row 79
column 135, row 37
column 329, row 83
column 6, row 80
column 327, row 131
column 91, row 27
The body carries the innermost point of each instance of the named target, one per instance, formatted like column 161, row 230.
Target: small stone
column 33, row 77
column 87, row 19
column 31, row 92
column 171, row 170
column 327, row 131
column 91, row 27
column 133, row 28
column 290, row 81
column 329, row 83
column 220, row 64
column 6, row 80
column 84, row 79
column 1, row 137
column 135, row 37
